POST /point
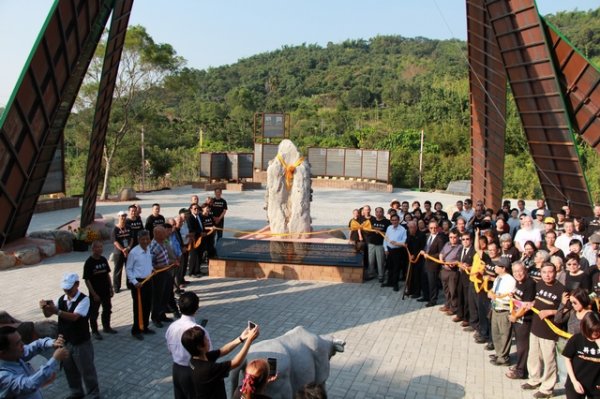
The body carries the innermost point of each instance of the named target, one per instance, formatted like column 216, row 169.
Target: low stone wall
column 338, row 182
column 56, row 204
column 258, row 270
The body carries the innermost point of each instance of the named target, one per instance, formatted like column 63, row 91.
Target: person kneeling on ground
column 208, row 375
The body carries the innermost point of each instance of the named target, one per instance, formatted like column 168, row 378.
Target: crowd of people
column 156, row 255
column 532, row 275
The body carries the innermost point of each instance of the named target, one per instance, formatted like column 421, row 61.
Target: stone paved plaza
column 394, row 348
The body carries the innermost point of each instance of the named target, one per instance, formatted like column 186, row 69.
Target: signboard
column 273, row 125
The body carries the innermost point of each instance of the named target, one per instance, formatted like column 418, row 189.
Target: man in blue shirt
column 17, row 377
column 394, row 246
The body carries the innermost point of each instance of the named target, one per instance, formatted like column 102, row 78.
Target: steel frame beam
column 110, row 68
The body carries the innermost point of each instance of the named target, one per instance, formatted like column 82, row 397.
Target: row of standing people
column 449, row 266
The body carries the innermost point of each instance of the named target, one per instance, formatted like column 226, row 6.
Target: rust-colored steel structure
column 110, row 68
column 487, row 87
column 535, row 77
column 33, row 123
column 556, row 92
column 580, row 81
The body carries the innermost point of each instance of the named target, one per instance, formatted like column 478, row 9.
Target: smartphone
column 272, row 366
column 251, row 325
column 204, row 322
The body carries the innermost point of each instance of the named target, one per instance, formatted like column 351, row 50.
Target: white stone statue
column 288, row 192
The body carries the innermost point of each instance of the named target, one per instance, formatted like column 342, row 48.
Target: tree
column 144, row 64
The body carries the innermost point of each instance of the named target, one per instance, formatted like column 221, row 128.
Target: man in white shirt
column 394, row 246
column 527, row 233
column 504, row 284
column 183, row 385
column 563, row 241
column 139, row 267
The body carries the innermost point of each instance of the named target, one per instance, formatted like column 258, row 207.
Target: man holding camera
column 73, row 312
column 17, row 377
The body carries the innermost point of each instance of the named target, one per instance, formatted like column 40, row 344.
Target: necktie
column 497, row 285
column 429, row 241
column 463, row 255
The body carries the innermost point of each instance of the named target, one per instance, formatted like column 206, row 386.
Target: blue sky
column 214, row 33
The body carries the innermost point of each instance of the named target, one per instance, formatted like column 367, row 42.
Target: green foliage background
column 372, row 94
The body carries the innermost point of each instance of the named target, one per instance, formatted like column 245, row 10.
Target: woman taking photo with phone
column 209, row 376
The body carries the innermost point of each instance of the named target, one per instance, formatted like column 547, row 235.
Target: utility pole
column 143, row 163
column 421, row 161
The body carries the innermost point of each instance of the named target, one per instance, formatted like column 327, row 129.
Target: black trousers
column 414, row 272
column 522, row 331
column 473, row 308
column 395, row 259
column 106, row 311
column 183, row 265
column 432, row 282
column 483, row 310
column 119, row 260
column 462, row 296
column 183, row 385
column 146, row 298
column 160, row 282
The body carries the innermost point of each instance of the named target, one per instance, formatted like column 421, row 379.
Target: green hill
column 377, row 93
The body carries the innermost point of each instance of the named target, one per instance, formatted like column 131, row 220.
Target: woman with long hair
column 256, row 378
column 582, row 358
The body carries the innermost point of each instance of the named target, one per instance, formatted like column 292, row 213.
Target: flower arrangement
column 85, row 234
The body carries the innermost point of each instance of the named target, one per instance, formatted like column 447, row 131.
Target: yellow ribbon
column 139, row 293
column 289, row 170
column 552, row 326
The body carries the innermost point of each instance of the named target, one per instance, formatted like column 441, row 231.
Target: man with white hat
column 73, row 313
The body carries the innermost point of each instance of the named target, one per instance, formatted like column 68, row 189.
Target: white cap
column 69, row 280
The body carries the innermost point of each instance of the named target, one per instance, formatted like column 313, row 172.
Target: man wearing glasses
column 449, row 272
column 435, row 242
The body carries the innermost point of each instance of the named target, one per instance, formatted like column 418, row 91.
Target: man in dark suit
column 466, row 260
column 195, row 229
column 435, row 242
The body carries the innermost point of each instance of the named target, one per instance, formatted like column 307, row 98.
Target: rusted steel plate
column 528, row 60
column 36, row 114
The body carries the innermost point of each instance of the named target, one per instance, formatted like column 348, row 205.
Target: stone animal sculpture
column 302, row 358
column 288, row 193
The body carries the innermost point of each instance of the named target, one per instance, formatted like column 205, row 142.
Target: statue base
column 307, row 259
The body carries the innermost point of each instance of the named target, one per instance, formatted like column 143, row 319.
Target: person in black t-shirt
column 96, row 273
column 155, row 219
column 219, row 209
column 134, row 224
column 525, row 292
column 375, row 242
column 121, row 237
column 208, row 224
column 209, row 376
column 582, row 354
column 541, row 362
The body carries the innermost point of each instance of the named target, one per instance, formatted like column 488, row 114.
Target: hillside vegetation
column 376, row 93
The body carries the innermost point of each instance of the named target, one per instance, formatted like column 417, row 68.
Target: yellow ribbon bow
column 289, row 170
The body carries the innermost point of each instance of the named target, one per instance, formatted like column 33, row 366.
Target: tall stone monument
column 288, row 192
